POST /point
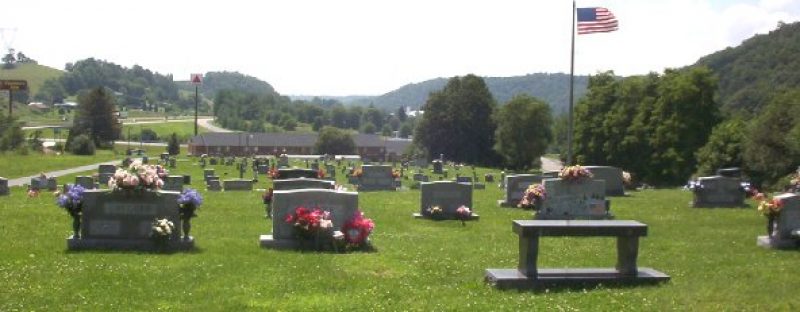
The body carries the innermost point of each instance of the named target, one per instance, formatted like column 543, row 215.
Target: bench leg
column 627, row 252
column 528, row 253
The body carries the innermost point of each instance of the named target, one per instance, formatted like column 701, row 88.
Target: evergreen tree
column 173, row 146
column 96, row 117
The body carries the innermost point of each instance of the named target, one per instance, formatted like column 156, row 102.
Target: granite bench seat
column 528, row 275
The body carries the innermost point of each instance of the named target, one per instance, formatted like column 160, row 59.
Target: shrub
column 82, row 145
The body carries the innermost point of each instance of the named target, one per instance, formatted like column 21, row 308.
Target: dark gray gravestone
column 187, row 179
column 121, row 220
column 105, row 172
column 208, row 173
column 550, row 174
column 86, row 182
column 330, row 170
column 516, row 184
column 464, row 179
column 172, row 162
column 437, row 167
column 786, row 233
column 237, row 185
column 49, row 184
column 730, row 172
column 718, row 191
column 164, row 157
column 315, row 166
column 283, row 161
column 263, row 169
column 284, row 173
column 214, row 185
column 488, row 177
column 173, row 183
column 612, row 176
column 145, row 160
column 301, row 183
column 341, row 205
column 419, row 177
column 574, row 200
column 376, row 178
column 447, row 195
column 213, row 161
column 3, row 186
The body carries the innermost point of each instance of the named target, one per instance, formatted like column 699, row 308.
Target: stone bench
column 528, row 275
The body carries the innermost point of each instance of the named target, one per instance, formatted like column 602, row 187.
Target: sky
column 369, row 47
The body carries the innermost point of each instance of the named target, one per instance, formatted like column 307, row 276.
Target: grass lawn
column 421, row 265
column 184, row 129
column 13, row 165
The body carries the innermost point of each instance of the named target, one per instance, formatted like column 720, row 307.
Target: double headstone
column 119, row 220
column 3, row 186
column 718, row 191
column 786, row 230
column 612, row 176
column 375, row 178
column 49, row 184
column 237, row 185
column 516, row 184
column 301, row 183
column 105, row 172
column 284, row 173
column 582, row 199
column 448, row 195
column 419, row 177
column 173, row 183
column 283, row 161
column 342, row 206
column 437, row 167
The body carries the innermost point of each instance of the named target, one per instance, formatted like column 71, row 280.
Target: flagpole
column 571, row 86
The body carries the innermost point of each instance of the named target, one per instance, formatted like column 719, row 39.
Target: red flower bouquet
column 357, row 229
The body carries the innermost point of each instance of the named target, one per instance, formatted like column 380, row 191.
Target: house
column 368, row 146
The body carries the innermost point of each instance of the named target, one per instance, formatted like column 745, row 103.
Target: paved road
column 550, row 164
column 206, row 123
column 58, row 173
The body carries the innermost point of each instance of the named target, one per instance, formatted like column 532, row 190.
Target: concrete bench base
column 513, row 278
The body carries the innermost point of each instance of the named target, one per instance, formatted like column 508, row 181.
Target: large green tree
column 96, row 117
column 457, row 122
column 524, row 130
column 335, row 141
column 772, row 147
column 724, row 147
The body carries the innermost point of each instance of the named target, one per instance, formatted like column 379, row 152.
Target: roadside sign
column 197, row 79
column 13, row 85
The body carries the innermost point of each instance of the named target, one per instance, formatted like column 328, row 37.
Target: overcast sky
column 369, row 47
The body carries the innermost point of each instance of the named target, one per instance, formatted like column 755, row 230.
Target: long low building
column 368, row 146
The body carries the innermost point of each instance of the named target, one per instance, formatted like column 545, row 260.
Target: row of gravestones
column 213, row 182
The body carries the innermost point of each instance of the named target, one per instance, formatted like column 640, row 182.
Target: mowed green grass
column 34, row 74
column 13, row 165
column 183, row 129
column 420, row 265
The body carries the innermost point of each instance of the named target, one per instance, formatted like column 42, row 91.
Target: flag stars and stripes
column 596, row 20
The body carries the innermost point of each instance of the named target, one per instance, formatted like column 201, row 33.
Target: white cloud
column 371, row 47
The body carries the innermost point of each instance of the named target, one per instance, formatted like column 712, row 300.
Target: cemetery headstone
column 330, row 170
column 786, row 232
column 187, row 179
column 213, row 161
column 718, row 191
column 516, row 184
column 3, row 186
column 105, row 172
column 447, row 195
column 419, row 177
column 301, row 183
column 214, row 185
column 173, row 183
column 283, row 161
column 568, row 200
column 237, row 185
column 121, row 221
column 461, row 179
column 489, row 178
column 203, row 162
column 207, row 173
column 164, row 156
column 39, row 183
column 315, row 166
column 375, row 178
column 86, row 182
column 263, row 169
column 550, row 174
column 285, row 173
column 172, row 162
column 730, row 172
column 612, row 176
column 341, row 205
column 145, row 160
column 437, row 167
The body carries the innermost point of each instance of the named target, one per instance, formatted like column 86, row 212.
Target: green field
column 184, row 129
column 13, row 165
column 419, row 265
column 35, row 74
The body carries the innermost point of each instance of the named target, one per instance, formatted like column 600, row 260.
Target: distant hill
column 552, row 88
column 215, row 81
column 750, row 73
column 35, row 74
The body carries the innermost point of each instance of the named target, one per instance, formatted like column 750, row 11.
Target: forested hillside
column 750, row 73
column 551, row 88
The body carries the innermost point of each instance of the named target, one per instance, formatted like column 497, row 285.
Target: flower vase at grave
column 76, row 224
column 187, row 212
column 770, row 225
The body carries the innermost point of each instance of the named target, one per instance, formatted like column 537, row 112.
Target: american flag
column 595, row 20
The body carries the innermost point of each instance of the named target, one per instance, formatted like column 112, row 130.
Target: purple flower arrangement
column 72, row 199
